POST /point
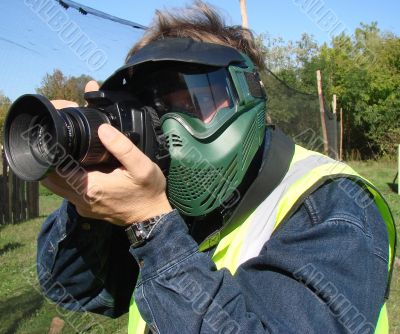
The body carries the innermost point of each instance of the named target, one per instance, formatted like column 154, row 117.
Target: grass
column 24, row 310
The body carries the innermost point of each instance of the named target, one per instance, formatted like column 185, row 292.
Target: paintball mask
column 211, row 105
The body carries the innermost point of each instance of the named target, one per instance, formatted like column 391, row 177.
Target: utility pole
column 243, row 11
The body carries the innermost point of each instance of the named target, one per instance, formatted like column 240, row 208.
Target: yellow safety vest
column 308, row 170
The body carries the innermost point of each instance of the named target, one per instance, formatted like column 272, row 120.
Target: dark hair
column 200, row 22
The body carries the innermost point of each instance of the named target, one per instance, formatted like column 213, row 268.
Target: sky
column 33, row 43
column 285, row 18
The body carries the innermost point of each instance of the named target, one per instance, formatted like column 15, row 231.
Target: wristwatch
column 138, row 233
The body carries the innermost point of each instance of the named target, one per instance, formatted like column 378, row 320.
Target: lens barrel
column 38, row 138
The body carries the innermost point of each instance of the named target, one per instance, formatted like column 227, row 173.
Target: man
column 255, row 235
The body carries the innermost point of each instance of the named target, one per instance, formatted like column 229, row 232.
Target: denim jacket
column 323, row 271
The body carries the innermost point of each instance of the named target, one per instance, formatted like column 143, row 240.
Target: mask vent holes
column 251, row 136
column 187, row 184
column 224, row 186
column 261, row 119
column 174, row 140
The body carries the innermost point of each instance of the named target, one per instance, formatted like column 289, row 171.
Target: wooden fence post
column 36, row 192
column 9, row 198
column 341, row 136
column 3, row 188
column 19, row 200
column 335, row 132
column 2, row 204
column 15, row 199
column 322, row 113
column 32, row 198
column 24, row 191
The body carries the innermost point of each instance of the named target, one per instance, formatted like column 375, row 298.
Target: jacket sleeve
column 323, row 271
column 84, row 264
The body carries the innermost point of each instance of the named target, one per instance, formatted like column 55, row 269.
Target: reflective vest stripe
column 307, row 171
column 382, row 327
column 265, row 218
column 136, row 324
column 389, row 220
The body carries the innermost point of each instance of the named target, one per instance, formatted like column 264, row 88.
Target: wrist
column 169, row 243
column 150, row 211
column 139, row 233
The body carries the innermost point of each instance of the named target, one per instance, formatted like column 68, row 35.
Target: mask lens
column 196, row 90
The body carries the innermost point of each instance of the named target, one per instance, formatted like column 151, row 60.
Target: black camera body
column 139, row 123
column 40, row 138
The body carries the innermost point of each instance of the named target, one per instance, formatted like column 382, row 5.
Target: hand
column 129, row 194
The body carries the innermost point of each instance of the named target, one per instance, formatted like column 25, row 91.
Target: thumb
column 122, row 148
column 92, row 86
column 59, row 104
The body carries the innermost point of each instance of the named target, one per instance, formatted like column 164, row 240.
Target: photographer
column 249, row 233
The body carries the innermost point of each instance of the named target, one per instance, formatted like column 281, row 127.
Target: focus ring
column 96, row 153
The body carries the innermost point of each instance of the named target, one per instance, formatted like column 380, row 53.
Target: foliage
column 363, row 70
column 57, row 86
column 5, row 103
column 292, row 105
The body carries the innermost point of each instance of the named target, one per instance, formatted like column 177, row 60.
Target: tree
column 363, row 70
column 5, row 103
column 292, row 102
column 57, row 86
column 287, row 59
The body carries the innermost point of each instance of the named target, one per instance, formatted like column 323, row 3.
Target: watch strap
column 138, row 233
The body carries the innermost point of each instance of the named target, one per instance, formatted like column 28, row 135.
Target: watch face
column 133, row 237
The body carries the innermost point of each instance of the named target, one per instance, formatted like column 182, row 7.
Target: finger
column 59, row 104
column 123, row 149
column 92, row 86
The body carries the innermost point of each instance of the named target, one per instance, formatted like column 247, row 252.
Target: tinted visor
column 198, row 90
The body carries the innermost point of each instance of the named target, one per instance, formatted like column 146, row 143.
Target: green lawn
column 24, row 310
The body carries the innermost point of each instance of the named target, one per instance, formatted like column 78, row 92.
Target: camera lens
column 38, row 137
column 41, row 138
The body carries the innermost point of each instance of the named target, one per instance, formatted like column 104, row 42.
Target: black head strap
column 274, row 168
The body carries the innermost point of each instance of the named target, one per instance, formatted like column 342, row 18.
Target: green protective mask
column 211, row 148
column 206, row 170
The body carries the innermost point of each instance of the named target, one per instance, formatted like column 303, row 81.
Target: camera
column 39, row 138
